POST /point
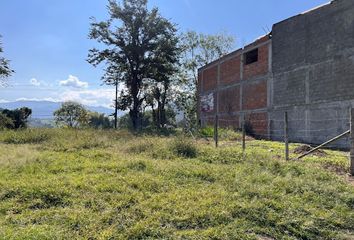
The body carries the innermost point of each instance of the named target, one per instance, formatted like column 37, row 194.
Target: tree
column 5, row 70
column 71, row 114
column 18, row 117
column 198, row 50
column 99, row 121
column 159, row 89
column 6, row 122
column 135, row 38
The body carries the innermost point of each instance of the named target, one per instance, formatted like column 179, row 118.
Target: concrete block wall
column 313, row 73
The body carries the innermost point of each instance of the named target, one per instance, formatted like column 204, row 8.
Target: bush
column 207, row 132
column 25, row 136
column 184, row 147
column 68, row 140
column 224, row 134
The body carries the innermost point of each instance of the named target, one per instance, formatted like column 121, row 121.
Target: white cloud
column 95, row 97
column 49, row 99
column 74, row 82
column 102, row 97
column 35, row 82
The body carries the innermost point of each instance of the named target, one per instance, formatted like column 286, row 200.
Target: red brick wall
column 229, row 100
column 259, row 123
column 257, row 68
column 229, row 121
column 210, row 76
column 258, row 41
column 230, row 71
column 254, row 96
column 209, row 121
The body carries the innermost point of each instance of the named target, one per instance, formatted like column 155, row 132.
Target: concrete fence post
column 352, row 141
column 244, row 132
column 216, row 129
column 286, row 135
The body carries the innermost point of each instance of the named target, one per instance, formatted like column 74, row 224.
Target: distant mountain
column 45, row 109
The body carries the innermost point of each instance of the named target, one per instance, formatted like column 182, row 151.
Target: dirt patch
column 306, row 148
column 342, row 171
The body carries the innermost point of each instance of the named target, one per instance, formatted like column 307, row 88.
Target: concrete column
column 241, row 90
column 217, row 91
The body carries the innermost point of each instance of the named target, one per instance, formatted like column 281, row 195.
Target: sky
column 47, row 43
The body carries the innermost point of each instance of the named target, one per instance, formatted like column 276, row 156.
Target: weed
column 184, row 147
column 28, row 136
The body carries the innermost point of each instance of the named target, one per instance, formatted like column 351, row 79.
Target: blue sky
column 47, row 42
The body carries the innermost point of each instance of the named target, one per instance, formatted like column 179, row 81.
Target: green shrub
column 29, row 136
column 71, row 141
column 140, row 147
column 206, row 132
column 225, row 134
column 184, row 147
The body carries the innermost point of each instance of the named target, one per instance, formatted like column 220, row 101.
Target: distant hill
column 45, row 109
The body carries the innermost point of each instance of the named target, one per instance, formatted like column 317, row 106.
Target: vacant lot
column 62, row 184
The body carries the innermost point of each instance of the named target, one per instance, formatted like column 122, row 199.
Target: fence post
column 352, row 141
column 286, row 135
column 243, row 132
column 216, row 134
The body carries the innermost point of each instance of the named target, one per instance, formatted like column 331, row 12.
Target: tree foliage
column 14, row 119
column 99, row 121
column 71, row 114
column 6, row 122
column 142, row 45
column 198, row 50
column 75, row 115
column 5, row 70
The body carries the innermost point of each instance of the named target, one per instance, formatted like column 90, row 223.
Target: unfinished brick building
column 305, row 67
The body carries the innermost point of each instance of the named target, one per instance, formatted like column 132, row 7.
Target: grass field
column 66, row 184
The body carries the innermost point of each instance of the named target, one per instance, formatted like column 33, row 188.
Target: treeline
column 152, row 66
column 75, row 115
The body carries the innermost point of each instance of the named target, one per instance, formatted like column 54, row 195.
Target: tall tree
column 5, row 70
column 198, row 50
column 134, row 37
column 159, row 90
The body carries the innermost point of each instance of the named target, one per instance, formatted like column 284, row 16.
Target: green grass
column 113, row 185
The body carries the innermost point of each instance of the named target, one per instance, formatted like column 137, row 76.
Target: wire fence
column 282, row 127
column 300, row 128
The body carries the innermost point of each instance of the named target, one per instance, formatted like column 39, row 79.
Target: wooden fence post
column 352, row 141
column 216, row 134
column 244, row 132
column 286, row 135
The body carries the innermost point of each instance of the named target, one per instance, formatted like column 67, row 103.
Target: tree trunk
column 163, row 119
column 116, row 107
column 134, row 112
